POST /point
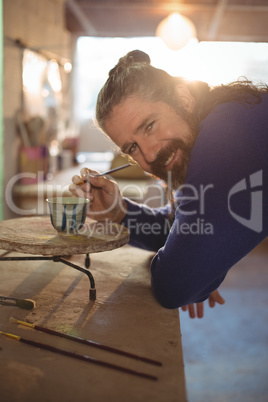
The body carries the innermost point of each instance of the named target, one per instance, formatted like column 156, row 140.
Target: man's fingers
column 86, row 172
column 200, row 310
column 102, row 182
column 220, row 299
column 214, row 298
column 211, row 302
column 90, row 177
column 191, row 310
column 76, row 179
column 217, row 297
column 197, row 311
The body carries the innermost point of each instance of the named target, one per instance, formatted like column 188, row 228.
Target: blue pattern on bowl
column 68, row 214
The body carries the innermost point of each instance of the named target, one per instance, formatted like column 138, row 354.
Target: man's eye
column 150, row 126
column 132, row 148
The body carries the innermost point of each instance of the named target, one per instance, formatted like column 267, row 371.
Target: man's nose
column 150, row 150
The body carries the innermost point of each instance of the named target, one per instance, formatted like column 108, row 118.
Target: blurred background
column 56, row 56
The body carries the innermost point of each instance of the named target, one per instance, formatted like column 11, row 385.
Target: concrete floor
column 226, row 352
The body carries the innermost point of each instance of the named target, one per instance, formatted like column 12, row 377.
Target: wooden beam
column 216, row 20
column 82, row 18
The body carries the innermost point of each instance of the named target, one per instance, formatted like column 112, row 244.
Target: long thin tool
column 106, row 172
column 86, row 342
column 86, row 358
column 27, row 304
column 115, row 169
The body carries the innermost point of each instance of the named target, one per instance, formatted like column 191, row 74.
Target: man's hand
column 197, row 310
column 106, row 201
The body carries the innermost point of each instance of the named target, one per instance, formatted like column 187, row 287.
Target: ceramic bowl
column 68, row 214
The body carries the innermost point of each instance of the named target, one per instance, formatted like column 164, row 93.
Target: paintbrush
column 106, row 172
column 27, row 304
column 86, row 358
column 87, row 342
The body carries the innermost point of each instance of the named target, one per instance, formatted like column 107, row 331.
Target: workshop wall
column 39, row 25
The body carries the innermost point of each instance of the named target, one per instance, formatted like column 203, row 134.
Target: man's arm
column 148, row 227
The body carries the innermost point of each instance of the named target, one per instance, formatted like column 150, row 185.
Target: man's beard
column 177, row 176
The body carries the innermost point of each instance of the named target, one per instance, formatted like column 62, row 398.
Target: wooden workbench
column 125, row 316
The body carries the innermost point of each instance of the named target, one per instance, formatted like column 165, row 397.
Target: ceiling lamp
column 176, row 31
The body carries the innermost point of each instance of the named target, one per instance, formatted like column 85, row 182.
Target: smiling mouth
column 169, row 159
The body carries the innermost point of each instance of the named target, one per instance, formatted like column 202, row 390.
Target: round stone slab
column 35, row 235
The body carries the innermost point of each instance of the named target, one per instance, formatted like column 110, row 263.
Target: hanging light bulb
column 176, row 31
column 67, row 67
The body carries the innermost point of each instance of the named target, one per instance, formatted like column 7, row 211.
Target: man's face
column 154, row 135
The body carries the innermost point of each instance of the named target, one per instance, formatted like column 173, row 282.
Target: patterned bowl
column 68, row 214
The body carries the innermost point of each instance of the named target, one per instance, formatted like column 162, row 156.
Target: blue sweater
column 223, row 208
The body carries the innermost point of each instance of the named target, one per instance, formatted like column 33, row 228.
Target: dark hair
column 134, row 75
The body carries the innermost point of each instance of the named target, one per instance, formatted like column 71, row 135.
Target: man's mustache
column 165, row 153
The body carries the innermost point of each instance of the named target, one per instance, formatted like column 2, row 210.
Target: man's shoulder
column 240, row 123
column 229, row 144
column 238, row 111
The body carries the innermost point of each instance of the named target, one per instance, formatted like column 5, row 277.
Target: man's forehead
column 131, row 112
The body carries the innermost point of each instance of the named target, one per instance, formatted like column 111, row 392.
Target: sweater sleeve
column 148, row 227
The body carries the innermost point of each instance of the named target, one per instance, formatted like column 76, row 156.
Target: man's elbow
column 167, row 299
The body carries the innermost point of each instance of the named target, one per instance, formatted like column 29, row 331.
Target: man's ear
column 185, row 97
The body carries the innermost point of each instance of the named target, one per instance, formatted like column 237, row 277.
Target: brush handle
column 87, row 342
column 89, row 359
column 106, row 172
column 114, row 170
column 96, row 345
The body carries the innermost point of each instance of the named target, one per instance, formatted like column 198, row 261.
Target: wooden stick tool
column 86, row 358
column 106, row 172
column 87, row 342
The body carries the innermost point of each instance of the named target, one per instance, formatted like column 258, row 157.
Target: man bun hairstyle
column 138, row 56
column 135, row 56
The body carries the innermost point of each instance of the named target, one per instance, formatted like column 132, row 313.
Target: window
column 213, row 62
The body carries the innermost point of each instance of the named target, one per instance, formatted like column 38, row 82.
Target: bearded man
column 211, row 145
